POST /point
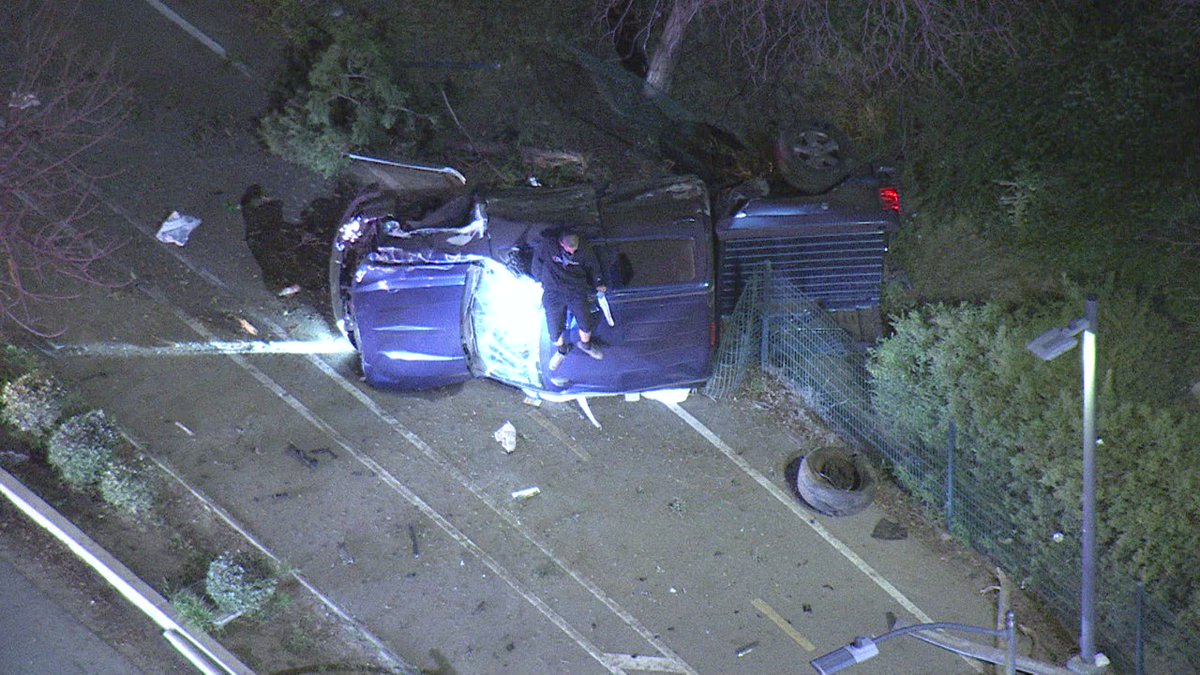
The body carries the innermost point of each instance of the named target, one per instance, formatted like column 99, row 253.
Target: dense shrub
column 127, row 487
column 193, row 609
column 82, row 448
column 1079, row 155
column 1020, row 426
column 240, row 583
column 352, row 98
column 15, row 362
column 33, row 403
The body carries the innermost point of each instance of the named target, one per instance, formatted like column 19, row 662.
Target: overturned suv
column 442, row 296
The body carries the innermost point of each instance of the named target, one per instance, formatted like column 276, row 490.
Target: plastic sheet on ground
column 177, row 228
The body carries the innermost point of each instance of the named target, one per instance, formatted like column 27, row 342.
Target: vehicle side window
column 648, row 262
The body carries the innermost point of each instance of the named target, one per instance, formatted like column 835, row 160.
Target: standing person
column 568, row 280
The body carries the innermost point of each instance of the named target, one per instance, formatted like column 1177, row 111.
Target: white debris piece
column 527, row 493
column 177, row 228
column 21, row 101
column 506, row 436
column 667, row 395
column 289, row 291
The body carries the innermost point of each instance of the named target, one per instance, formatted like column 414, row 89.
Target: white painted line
column 800, row 512
column 439, row 460
column 199, row 36
column 359, row 629
column 391, row 481
column 655, row 664
column 509, row 517
column 807, row 518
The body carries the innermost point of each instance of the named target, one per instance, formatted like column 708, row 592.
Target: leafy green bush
column 15, row 362
column 82, row 448
column 127, row 487
column 351, row 99
column 240, row 583
column 1020, row 426
column 33, row 403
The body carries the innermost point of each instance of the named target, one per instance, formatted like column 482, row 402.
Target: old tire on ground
column 836, row 482
column 812, row 156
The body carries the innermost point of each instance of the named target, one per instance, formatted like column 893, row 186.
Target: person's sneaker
column 591, row 350
column 556, row 360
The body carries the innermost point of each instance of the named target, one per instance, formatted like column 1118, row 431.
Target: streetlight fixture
column 1051, row 344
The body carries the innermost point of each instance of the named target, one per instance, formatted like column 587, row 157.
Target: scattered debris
column 186, row 430
column 344, row 554
column 889, row 530
column 289, row 291
column 506, row 436
column 533, row 401
column 412, row 537
column 745, row 649
column 587, row 410
column 177, row 228
column 307, row 457
column 526, row 493
column 247, row 326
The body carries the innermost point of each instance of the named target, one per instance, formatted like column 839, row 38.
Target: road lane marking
column 638, row 662
column 804, row 516
column 800, row 513
column 784, row 624
column 428, row 511
column 359, row 628
column 435, row 457
column 554, row 431
column 212, row 45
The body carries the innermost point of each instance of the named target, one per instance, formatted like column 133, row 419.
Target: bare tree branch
column 61, row 103
column 866, row 39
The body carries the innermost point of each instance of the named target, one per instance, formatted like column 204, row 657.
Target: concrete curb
column 205, row 653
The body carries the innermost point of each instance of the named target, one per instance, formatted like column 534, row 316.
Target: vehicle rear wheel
column 813, row 156
column 836, row 482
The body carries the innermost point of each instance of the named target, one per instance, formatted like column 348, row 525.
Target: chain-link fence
column 779, row 330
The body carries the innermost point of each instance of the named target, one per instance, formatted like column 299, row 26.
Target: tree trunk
column 666, row 53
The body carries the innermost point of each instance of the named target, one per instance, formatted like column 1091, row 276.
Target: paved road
column 60, row 617
column 664, row 541
column 38, row 636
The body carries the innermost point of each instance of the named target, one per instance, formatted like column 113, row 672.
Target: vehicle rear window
column 648, row 262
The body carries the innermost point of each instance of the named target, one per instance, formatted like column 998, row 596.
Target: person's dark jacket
column 562, row 273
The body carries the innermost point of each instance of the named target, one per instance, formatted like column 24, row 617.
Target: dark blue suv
column 446, row 296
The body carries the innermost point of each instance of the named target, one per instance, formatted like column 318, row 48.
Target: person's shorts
column 557, row 304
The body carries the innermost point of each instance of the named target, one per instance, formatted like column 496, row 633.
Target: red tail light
column 889, row 199
column 712, row 334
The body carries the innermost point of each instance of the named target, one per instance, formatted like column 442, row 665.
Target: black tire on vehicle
column 836, row 482
column 813, row 156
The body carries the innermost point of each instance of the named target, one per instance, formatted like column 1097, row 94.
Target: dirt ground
column 646, row 543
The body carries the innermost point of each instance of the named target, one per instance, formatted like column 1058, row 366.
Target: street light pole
column 1047, row 346
column 1087, row 644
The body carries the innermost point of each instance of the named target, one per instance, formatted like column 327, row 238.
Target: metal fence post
column 1138, row 638
column 951, row 444
column 765, row 293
